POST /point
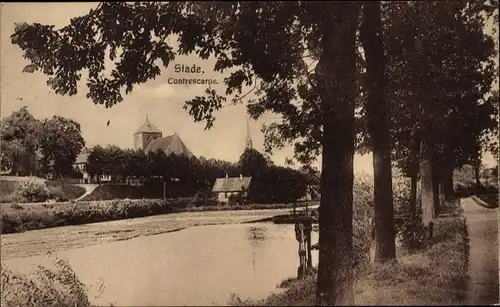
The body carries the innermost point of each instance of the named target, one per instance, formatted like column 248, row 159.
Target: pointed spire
column 147, row 118
column 249, row 138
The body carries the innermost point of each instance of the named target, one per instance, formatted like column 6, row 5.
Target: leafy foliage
column 412, row 233
column 61, row 142
column 34, row 190
column 20, row 137
column 270, row 184
column 439, row 43
column 58, row 286
column 30, row 146
column 252, row 162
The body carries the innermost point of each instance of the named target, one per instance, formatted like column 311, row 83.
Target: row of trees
column 31, row 146
column 270, row 183
column 410, row 81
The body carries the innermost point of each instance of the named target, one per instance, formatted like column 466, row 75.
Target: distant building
column 248, row 144
column 145, row 134
column 150, row 139
column 80, row 165
column 225, row 187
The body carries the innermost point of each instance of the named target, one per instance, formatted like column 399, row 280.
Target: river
column 200, row 265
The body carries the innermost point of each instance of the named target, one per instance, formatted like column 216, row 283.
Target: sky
column 160, row 101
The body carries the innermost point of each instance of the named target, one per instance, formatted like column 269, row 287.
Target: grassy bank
column 10, row 193
column 437, row 275
column 23, row 217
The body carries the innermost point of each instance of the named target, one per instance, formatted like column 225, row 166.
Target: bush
column 66, row 214
column 33, row 190
column 59, row 287
column 14, row 198
column 412, row 233
column 237, row 199
column 363, row 215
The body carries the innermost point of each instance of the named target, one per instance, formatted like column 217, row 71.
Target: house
column 80, row 165
column 225, row 187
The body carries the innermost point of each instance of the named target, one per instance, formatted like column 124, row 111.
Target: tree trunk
column 448, row 184
column 435, row 192
column 413, row 195
column 338, row 89
column 378, row 128
column 427, row 194
column 477, row 167
column 442, row 197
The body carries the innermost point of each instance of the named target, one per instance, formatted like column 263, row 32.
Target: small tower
column 145, row 134
column 249, row 139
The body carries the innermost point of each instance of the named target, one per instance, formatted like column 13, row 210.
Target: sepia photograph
column 249, row 153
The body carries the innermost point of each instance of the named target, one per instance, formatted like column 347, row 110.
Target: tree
column 61, row 142
column 377, row 121
column 20, row 135
column 96, row 161
column 264, row 41
column 252, row 162
column 425, row 48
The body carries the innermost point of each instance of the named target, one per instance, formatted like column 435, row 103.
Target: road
column 482, row 225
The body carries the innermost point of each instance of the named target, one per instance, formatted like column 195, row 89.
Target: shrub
column 82, row 213
column 59, row 287
column 237, row 199
column 14, row 198
column 363, row 215
column 33, row 190
column 412, row 233
column 16, row 206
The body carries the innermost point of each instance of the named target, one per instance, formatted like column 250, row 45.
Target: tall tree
column 20, row 138
column 252, row 162
column 427, row 46
column 377, row 118
column 263, row 41
column 61, row 142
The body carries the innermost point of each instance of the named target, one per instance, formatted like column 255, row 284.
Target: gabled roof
column 171, row 144
column 148, row 127
column 234, row 184
column 82, row 158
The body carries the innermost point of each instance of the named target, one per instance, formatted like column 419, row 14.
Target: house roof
column 234, row 184
column 82, row 158
column 147, row 127
column 171, row 144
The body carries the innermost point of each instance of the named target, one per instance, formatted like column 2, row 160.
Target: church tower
column 249, row 139
column 145, row 134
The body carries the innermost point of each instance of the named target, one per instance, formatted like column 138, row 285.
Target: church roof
column 147, row 127
column 171, row 144
column 234, row 184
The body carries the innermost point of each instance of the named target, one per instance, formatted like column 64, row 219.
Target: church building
column 149, row 138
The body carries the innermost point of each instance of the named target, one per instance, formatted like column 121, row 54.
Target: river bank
column 17, row 218
column 440, row 272
column 41, row 241
column 198, row 265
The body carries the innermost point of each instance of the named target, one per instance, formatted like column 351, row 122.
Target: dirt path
column 482, row 224
column 37, row 242
column 89, row 188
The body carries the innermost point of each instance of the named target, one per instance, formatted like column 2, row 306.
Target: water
column 196, row 266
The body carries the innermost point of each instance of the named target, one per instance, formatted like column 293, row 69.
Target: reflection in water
column 256, row 236
column 197, row 266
